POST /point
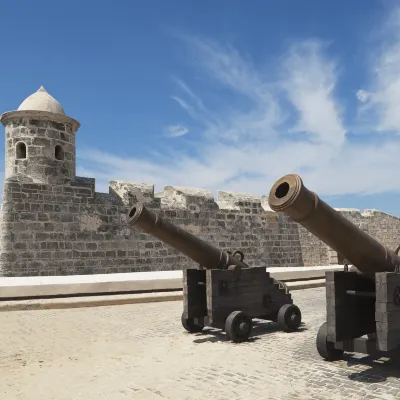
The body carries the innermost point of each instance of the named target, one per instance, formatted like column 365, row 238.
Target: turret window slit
column 21, row 150
column 59, row 152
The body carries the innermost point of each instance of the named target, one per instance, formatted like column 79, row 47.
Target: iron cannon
column 223, row 291
column 196, row 249
column 363, row 302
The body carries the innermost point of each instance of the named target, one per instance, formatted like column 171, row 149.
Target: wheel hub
column 294, row 318
column 244, row 327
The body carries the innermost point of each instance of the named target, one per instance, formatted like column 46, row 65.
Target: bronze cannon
column 363, row 301
column 223, row 291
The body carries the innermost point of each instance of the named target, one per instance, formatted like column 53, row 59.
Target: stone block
column 132, row 192
column 191, row 199
column 238, row 201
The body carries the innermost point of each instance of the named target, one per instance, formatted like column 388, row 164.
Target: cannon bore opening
column 132, row 212
column 282, row 190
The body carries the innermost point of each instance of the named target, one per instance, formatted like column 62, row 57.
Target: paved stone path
column 141, row 352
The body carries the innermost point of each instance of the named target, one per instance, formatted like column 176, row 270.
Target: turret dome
column 41, row 101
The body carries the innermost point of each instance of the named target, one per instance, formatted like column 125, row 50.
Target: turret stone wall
column 40, row 139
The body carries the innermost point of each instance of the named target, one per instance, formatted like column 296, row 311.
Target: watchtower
column 40, row 141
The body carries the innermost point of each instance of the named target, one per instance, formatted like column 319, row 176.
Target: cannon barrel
column 196, row 249
column 289, row 196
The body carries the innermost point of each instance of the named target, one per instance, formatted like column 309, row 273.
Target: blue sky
column 221, row 95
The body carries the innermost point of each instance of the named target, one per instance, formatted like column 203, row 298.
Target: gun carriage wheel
column 238, row 326
column 289, row 317
column 325, row 348
column 190, row 325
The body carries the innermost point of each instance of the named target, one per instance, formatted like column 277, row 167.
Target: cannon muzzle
column 289, row 196
column 196, row 249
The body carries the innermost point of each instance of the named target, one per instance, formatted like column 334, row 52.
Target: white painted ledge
column 118, row 299
column 37, row 286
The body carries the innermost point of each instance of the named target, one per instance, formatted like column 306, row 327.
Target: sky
column 219, row 95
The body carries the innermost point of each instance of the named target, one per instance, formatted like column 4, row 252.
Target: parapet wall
column 71, row 229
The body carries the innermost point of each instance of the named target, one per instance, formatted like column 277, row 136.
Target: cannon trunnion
column 362, row 302
column 223, row 292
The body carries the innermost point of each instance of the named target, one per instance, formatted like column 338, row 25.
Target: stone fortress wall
column 54, row 223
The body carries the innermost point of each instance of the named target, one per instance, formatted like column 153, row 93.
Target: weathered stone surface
column 70, row 229
column 131, row 192
column 39, row 161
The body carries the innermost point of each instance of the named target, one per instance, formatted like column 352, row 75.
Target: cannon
column 223, row 291
column 363, row 301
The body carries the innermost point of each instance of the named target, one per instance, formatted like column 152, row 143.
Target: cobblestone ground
column 141, row 352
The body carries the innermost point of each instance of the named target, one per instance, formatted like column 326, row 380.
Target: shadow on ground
column 378, row 370
column 259, row 329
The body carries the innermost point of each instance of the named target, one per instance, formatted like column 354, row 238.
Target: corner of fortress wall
column 72, row 229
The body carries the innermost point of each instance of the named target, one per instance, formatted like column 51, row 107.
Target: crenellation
column 194, row 199
column 373, row 213
column 265, row 204
column 236, row 201
column 131, row 192
column 350, row 211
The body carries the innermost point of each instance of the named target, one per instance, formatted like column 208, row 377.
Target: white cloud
column 363, row 95
column 310, row 79
column 382, row 98
column 177, row 130
column 291, row 122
